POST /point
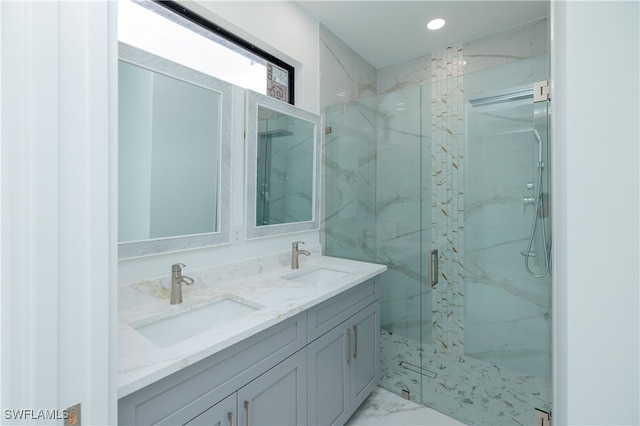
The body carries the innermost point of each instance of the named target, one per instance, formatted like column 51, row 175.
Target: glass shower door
column 403, row 222
column 507, row 309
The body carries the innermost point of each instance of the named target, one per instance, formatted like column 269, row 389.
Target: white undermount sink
column 317, row 276
column 168, row 330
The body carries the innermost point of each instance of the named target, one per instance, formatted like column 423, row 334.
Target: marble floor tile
column 386, row 408
column 468, row 389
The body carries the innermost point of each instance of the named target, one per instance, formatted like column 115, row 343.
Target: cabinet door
column 221, row 414
column 328, row 358
column 277, row 397
column 365, row 370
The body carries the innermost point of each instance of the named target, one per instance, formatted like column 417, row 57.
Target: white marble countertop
column 142, row 362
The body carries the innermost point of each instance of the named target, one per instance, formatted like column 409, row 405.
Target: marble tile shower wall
column 345, row 76
column 349, row 151
column 369, row 216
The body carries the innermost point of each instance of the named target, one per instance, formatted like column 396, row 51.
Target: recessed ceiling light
column 435, row 24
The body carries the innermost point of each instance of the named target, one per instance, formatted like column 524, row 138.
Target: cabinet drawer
column 324, row 317
column 183, row 395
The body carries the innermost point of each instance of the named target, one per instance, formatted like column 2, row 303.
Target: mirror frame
column 254, row 100
column 160, row 65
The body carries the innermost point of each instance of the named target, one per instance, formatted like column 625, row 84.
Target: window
column 169, row 30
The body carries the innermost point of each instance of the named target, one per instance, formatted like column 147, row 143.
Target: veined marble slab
column 386, row 408
column 141, row 362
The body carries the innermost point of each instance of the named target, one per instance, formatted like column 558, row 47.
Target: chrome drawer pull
column 355, row 341
column 348, row 345
column 246, row 408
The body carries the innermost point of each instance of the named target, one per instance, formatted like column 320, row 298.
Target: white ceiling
column 387, row 32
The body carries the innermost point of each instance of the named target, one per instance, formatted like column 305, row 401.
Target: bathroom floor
column 386, row 408
column 461, row 386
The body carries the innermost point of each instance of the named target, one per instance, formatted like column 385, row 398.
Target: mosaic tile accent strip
column 447, row 131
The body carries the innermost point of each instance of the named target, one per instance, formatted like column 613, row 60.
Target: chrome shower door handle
column 433, row 268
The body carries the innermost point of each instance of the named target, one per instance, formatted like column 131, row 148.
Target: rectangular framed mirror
column 283, row 167
column 174, row 155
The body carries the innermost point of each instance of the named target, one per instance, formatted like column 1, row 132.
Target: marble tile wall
column 349, row 183
column 519, row 43
column 348, row 172
column 412, row 73
column 345, row 76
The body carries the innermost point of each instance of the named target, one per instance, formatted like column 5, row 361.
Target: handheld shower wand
column 538, row 212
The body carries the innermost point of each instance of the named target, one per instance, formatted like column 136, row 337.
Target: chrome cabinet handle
column 230, row 417
column 348, row 345
column 246, row 408
column 355, row 341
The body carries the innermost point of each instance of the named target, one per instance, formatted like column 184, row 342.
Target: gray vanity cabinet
column 277, row 397
column 343, row 363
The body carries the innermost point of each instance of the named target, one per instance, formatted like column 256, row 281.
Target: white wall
column 595, row 75
column 279, row 27
column 287, row 33
column 58, row 238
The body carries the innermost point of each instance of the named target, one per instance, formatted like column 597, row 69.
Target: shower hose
column 538, row 211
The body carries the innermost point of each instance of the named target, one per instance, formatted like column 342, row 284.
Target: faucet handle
column 177, row 267
column 295, row 244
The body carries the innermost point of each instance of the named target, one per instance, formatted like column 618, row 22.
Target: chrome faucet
column 295, row 253
column 177, row 279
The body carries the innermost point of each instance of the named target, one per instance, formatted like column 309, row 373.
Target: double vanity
column 278, row 347
column 272, row 340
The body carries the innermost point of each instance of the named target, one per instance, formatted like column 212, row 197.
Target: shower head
column 538, row 138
